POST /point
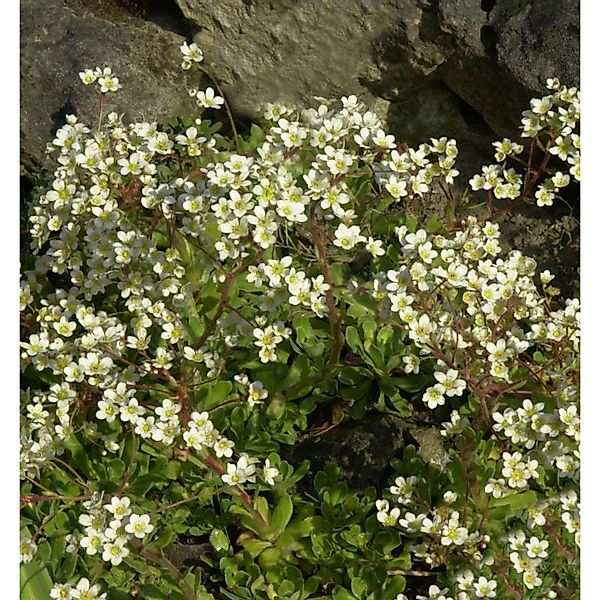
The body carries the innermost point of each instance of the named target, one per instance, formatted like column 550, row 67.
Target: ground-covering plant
column 193, row 300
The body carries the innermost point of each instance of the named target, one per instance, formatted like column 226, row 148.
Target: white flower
column 92, row 541
column 270, row 472
column 396, row 188
column 191, row 53
column 411, row 363
column 88, row 76
column 119, row 507
column 223, row 447
column 531, row 579
column 256, row 393
column 434, row 396
column 240, row 473
column 61, row 591
column 452, row 385
column 453, row 534
column 115, row 552
column 207, row 99
column 373, row 246
column 27, row 549
column 131, row 411
column 107, row 411
column 168, row 411
column 347, row 237
column 385, row 515
column 139, row 525
column 485, row 588
column 85, row 591
column 537, row 548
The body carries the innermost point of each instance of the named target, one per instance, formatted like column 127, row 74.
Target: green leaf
column 67, row 568
column 457, row 475
column 411, row 224
column 263, row 508
column 143, row 484
column 385, row 336
column 116, row 468
column 327, row 476
column 358, row 309
column 338, row 273
column 413, row 383
column 151, row 592
column 353, row 340
column 297, row 475
column 286, row 588
column 121, row 594
column 342, row 594
column 376, row 358
column 255, row 547
column 79, row 456
column 304, row 331
column 358, row 391
column 433, row 224
column 214, row 394
column 36, row 582
column 395, row 585
column 208, row 304
column 193, row 329
column 173, row 469
column 315, row 350
column 353, row 375
column 393, row 363
column 387, row 541
column 358, row 586
column 219, row 541
column 59, row 525
column 297, row 372
column 58, row 545
column 369, row 327
column 307, row 406
column 282, row 513
column 516, row 502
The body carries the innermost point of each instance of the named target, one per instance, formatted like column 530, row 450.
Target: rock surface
column 461, row 68
column 61, row 38
column 362, row 450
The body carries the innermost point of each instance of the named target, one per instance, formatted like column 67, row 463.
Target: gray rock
column 187, row 555
column 62, row 38
column 462, row 68
column 362, row 450
column 538, row 39
column 522, row 43
column 447, row 67
column 285, row 50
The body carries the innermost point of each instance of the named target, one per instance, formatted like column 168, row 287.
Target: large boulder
column 462, row 68
column 59, row 39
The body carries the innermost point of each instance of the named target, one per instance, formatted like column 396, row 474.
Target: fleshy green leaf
column 36, row 582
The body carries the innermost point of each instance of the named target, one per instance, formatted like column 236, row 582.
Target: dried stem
column 164, row 562
column 334, row 315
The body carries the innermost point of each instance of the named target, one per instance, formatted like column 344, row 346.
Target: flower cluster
column 482, row 588
column 554, row 117
column 201, row 433
column 191, row 54
column 103, row 77
column 109, row 528
column 442, row 527
column 169, row 263
column 481, row 326
column 84, row 590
